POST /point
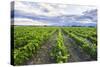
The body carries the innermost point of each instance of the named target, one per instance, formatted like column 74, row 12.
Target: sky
column 32, row 13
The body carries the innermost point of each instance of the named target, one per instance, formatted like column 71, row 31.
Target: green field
column 44, row 45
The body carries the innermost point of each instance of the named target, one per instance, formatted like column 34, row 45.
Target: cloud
column 47, row 9
column 31, row 13
column 26, row 8
column 26, row 21
column 85, row 21
column 89, row 16
column 92, row 14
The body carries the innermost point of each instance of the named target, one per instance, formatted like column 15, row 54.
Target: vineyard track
column 76, row 53
column 43, row 54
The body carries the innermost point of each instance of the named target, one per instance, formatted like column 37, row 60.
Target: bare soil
column 43, row 55
column 76, row 52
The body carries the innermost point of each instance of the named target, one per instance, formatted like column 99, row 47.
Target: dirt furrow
column 76, row 53
column 43, row 54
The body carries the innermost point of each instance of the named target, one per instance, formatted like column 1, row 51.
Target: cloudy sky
column 32, row 13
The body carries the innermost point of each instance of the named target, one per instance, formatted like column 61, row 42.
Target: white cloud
column 26, row 8
column 78, row 9
column 85, row 21
column 26, row 21
column 53, row 9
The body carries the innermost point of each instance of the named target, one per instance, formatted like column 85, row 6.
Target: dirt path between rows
column 43, row 54
column 76, row 53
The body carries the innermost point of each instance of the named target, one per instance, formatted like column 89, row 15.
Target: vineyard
column 44, row 45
